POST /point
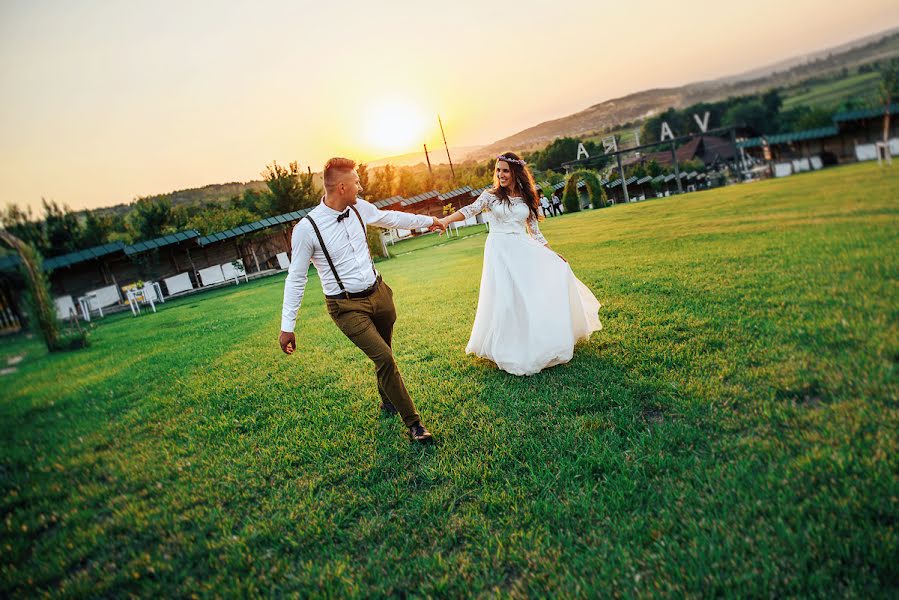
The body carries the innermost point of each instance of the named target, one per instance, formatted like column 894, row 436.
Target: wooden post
column 680, row 189
column 623, row 179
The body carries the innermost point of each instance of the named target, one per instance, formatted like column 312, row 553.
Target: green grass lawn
column 731, row 431
column 429, row 240
column 829, row 95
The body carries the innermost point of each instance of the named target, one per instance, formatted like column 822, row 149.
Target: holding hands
column 438, row 224
column 288, row 342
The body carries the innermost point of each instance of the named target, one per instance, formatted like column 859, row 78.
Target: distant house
column 709, row 149
column 852, row 137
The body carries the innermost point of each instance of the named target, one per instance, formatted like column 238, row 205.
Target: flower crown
column 511, row 160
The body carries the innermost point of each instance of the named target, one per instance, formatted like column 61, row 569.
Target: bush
column 595, row 191
column 373, row 236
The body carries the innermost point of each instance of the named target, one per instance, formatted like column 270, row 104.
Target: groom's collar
column 330, row 211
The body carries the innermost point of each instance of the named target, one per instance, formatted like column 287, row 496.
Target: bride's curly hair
column 524, row 181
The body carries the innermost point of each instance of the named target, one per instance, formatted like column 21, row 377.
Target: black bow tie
column 343, row 215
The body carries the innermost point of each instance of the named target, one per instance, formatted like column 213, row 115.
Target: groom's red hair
column 336, row 168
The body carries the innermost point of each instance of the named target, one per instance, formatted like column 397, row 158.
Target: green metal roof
column 388, row 201
column 67, row 260
column 166, row 240
column 793, row 136
column 455, row 192
column 252, row 227
column 11, row 262
column 420, row 197
column 863, row 113
column 630, row 181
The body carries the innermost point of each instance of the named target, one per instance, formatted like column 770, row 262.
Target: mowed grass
column 429, row 240
column 731, row 431
column 862, row 86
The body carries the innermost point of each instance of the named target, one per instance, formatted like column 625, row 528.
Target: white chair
column 136, row 297
column 65, row 308
column 234, row 270
column 178, row 283
column 211, row 275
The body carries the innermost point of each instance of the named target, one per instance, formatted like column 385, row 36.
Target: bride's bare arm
column 453, row 218
column 467, row 212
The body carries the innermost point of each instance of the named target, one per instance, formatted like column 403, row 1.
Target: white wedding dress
column 531, row 308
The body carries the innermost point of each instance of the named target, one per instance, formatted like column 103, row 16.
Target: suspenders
column 321, row 243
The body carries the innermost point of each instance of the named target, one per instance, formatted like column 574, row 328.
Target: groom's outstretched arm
column 295, row 285
column 394, row 219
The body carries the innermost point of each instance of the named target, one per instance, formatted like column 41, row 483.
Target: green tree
column 751, row 114
column 98, row 227
column 257, row 202
column 22, row 224
column 889, row 89
column 801, row 118
column 216, row 218
column 560, row 150
column 652, row 128
column 62, row 228
column 654, row 169
column 291, row 189
column 362, row 170
column 384, row 183
column 408, row 184
column 772, row 102
column 150, row 218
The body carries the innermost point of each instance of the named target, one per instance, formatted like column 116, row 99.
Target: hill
column 634, row 107
column 437, row 156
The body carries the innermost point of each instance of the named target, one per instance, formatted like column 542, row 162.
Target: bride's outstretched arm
column 453, row 218
column 466, row 212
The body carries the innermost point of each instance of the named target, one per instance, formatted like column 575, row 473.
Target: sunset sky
column 104, row 101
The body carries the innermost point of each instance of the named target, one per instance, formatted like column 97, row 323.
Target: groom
column 333, row 236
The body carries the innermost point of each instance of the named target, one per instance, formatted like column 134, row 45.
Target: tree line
column 58, row 229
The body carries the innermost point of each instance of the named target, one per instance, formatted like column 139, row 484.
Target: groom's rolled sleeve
column 297, row 275
column 391, row 219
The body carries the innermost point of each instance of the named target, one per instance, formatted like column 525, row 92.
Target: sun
column 394, row 125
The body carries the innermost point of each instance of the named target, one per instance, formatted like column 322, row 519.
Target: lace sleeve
column 535, row 229
column 477, row 206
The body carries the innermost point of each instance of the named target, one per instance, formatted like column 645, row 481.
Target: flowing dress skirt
column 531, row 308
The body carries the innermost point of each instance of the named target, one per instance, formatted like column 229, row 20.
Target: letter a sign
column 581, row 151
column 666, row 132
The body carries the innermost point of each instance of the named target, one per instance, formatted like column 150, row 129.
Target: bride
column 531, row 308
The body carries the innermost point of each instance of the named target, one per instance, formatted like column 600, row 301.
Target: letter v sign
column 704, row 123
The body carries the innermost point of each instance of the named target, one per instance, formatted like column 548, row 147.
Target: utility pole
column 445, row 145
column 428, row 158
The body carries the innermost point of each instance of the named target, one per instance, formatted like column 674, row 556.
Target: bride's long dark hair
column 524, row 181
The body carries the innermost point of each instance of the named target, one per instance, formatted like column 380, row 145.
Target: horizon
column 117, row 121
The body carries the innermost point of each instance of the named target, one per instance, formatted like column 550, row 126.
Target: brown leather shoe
column 418, row 433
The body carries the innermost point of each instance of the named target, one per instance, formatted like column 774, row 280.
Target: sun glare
column 394, row 125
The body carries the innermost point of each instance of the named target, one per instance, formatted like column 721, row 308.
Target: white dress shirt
column 348, row 247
